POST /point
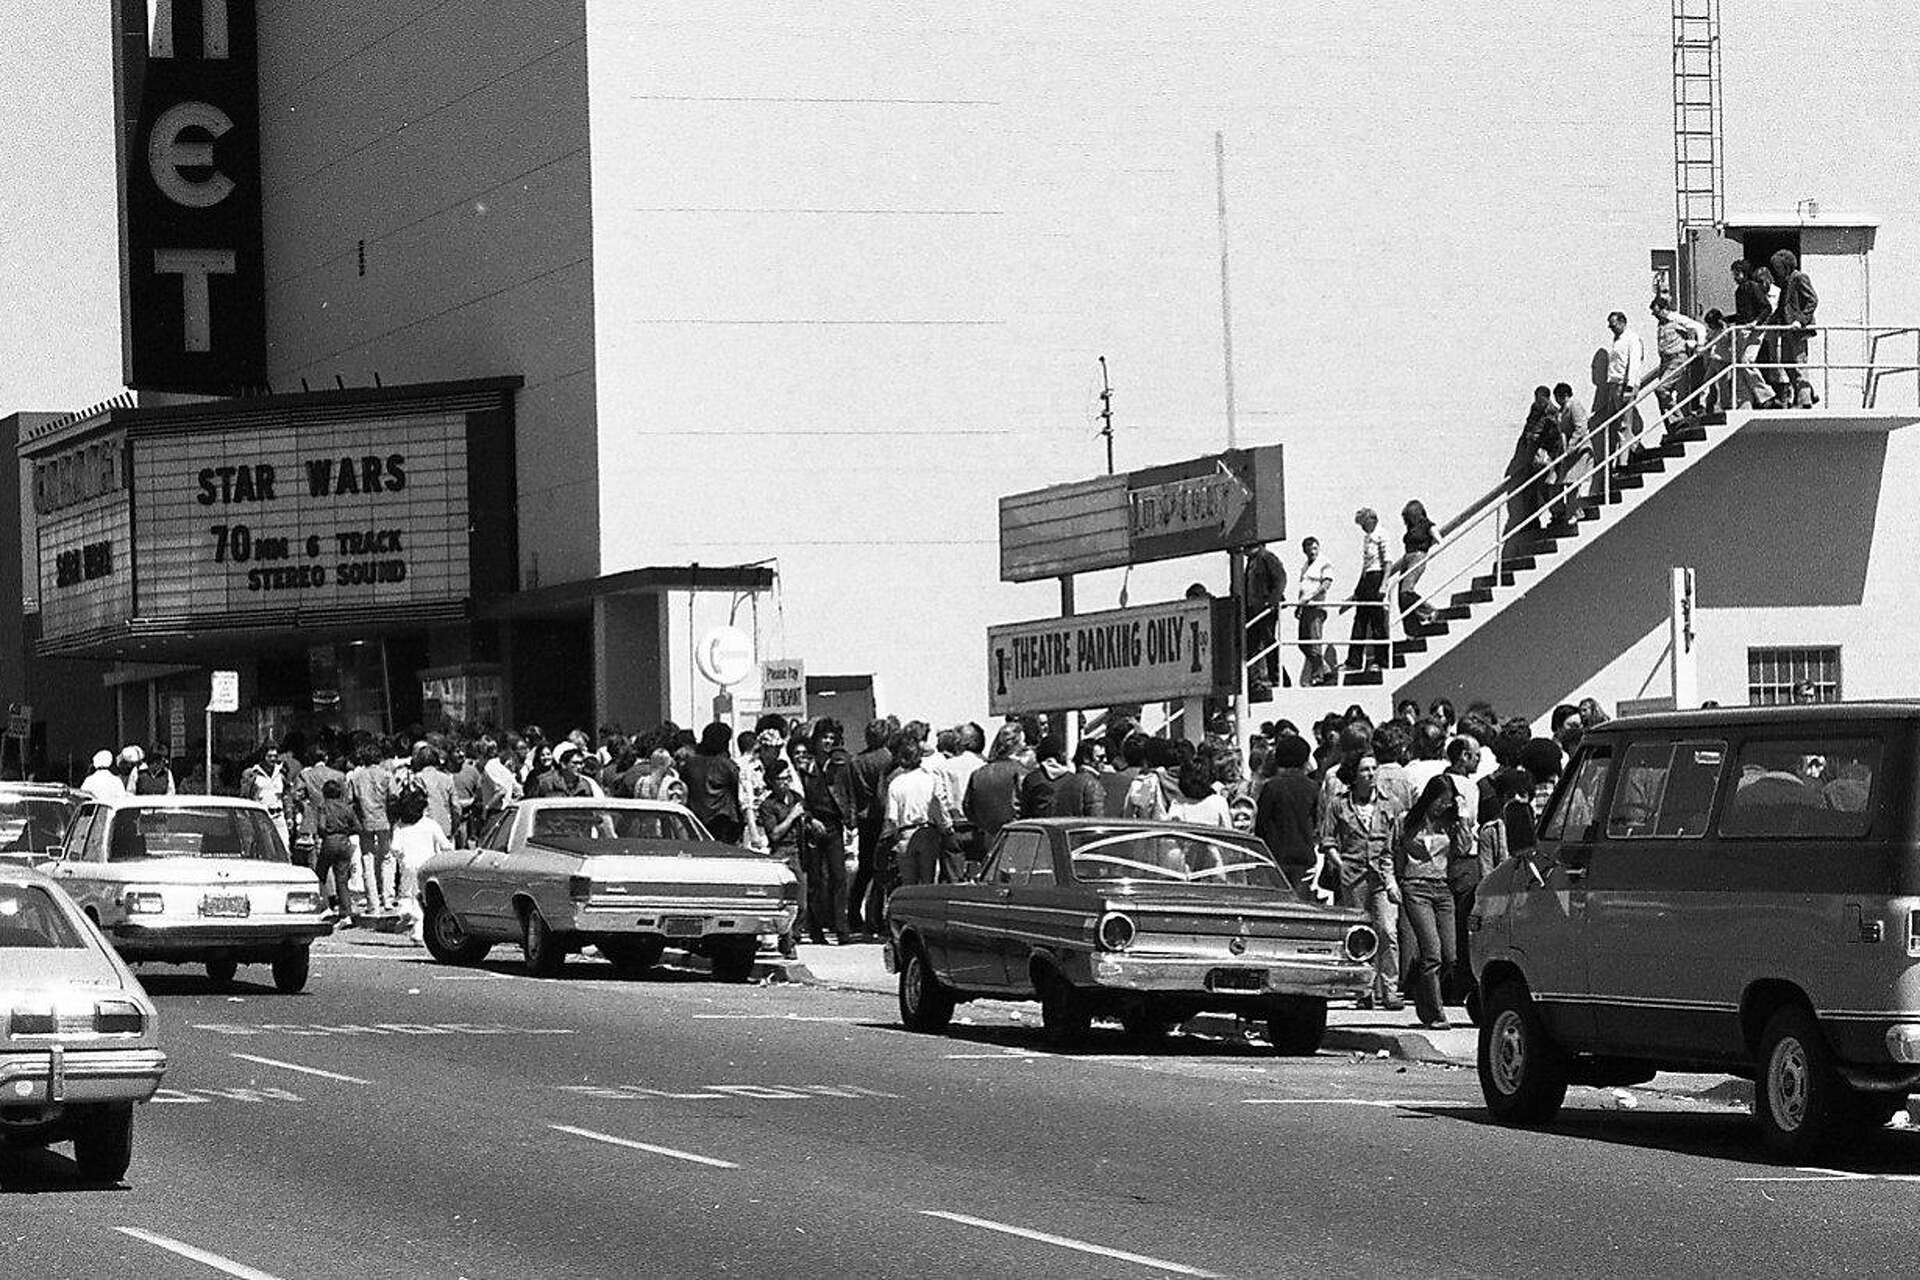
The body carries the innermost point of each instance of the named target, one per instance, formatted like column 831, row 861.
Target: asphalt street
column 410, row 1120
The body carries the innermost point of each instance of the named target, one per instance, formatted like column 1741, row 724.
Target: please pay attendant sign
column 1150, row 653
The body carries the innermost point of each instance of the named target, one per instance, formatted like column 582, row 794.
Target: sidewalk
column 1398, row 1035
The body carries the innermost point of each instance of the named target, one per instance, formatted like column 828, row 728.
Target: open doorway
column 1759, row 245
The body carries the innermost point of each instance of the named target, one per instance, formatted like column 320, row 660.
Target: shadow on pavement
column 1715, row 1135
column 33, row 1171
column 1102, row 1042
column 187, row 983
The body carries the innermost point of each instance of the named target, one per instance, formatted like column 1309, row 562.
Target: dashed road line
column 294, row 1066
column 1067, row 1242
column 669, row 1152
column 193, row 1253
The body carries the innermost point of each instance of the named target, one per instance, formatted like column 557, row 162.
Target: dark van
column 1730, row 890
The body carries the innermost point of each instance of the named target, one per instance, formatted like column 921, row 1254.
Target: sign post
column 223, row 697
column 1683, row 639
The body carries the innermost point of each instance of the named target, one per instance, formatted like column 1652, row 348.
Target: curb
column 1408, row 1046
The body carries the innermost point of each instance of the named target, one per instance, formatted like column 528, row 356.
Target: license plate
column 228, row 906
column 1236, row 980
column 682, row 926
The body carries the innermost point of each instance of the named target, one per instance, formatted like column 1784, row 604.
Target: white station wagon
column 193, row 880
column 628, row 877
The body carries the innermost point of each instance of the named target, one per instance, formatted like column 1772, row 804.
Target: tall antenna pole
column 1106, row 412
column 1226, row 302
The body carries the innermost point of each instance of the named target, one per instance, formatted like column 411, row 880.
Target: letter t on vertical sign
column 192, row 286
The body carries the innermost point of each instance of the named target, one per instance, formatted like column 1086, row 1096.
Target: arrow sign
column 1210, row 504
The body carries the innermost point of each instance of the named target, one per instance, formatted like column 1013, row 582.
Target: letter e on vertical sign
column 192, row 286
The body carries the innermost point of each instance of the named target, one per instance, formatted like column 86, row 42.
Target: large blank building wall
column 450, row 137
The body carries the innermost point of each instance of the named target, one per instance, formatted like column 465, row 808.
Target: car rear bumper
column 680, row 922
column 136, row 940
column 1230, row 981
column 55, row 1077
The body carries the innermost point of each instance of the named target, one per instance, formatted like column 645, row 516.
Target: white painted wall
column 451, row 137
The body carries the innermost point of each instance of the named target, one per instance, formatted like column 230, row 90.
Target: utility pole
column 1226, row 303
column 1106, row 412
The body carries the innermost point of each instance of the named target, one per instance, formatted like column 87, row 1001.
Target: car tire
column 733, row 960
column 447, row 941
column 103, row 1142
column 1799, row 1099
column 925, row 1005
column 290, row 970
column 632, row 957
column 1065, row 1014
column 539, row 946
column 221, row 973
column 1523, row 1073
column 1296, row 1028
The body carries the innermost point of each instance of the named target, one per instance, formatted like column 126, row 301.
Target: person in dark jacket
column 1750, row 308
column 1083, row 793
column 1049, row 769
column 1797, row 304
column 1287, row 812
column 993, row 792
column 1266, row 600
column 867, row 774
column 831, row 812
column 713, row 785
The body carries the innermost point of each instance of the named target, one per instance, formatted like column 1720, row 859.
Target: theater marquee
column 334, row 510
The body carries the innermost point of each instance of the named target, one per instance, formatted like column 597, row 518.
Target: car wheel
column 542, row 950
column 925, row 1005
column 1523, row 1073
column 1801, row 1102
column 1065, row 1014
column 733, row 960
column 447, row 941
column 1297, row 1026
column 221, row 972
column 103, row 1143
column 290, row 971
column 631, row 957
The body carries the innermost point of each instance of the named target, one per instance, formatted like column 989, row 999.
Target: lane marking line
column 294, row 1066
column 1066, row 1242
column 769, row 1017
column 669, row 1152
column 1838, row 1175
column 1350, row 1102
column 240, row 1270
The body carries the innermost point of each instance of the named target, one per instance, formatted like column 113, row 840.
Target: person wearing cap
column 103, row 783
column 565, row 780
column 128, row 766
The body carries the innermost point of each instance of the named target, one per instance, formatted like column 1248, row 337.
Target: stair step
column 1631, row 480
column 1455, row 613
column 1412, row 644
column 1478, row 595
column 1375, row 676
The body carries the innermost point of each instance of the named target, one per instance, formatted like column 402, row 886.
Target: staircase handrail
column 1486, row 505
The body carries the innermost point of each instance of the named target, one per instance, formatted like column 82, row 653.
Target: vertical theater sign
column 192, row 286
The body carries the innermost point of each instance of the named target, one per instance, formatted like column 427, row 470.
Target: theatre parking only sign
column 1147, row 654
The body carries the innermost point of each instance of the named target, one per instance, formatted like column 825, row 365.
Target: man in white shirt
column 1626, row 368
column 918, row 823
column 103, row 783
column 1316, row 580
column 1676, row 338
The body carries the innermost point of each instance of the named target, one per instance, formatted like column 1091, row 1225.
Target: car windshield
column 29, row 917
column 32, row 825
column 194, row 833
column 612, row 824
column 1178, row 857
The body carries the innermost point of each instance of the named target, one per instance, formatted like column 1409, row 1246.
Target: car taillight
column 579, row 888
column 119, row 1017
column 144, row 904
column 303, row 902
column 1115, row 931
column 32, row 1022
column 1361, row 943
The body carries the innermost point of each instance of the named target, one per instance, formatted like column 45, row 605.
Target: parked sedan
column 193, row 880
column 628, row 877
column 1148, row 922
column 33, row 818
column 80, row 1044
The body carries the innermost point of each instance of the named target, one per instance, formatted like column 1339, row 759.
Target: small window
column 1666, row 790
column 1018, row 854
column 75, row 844
column 1805, row 788
column 29, row 917
column 1580, row 802
column 1775, row 674
column 495, row 835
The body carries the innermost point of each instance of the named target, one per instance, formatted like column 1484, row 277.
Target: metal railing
column 1714, row 371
